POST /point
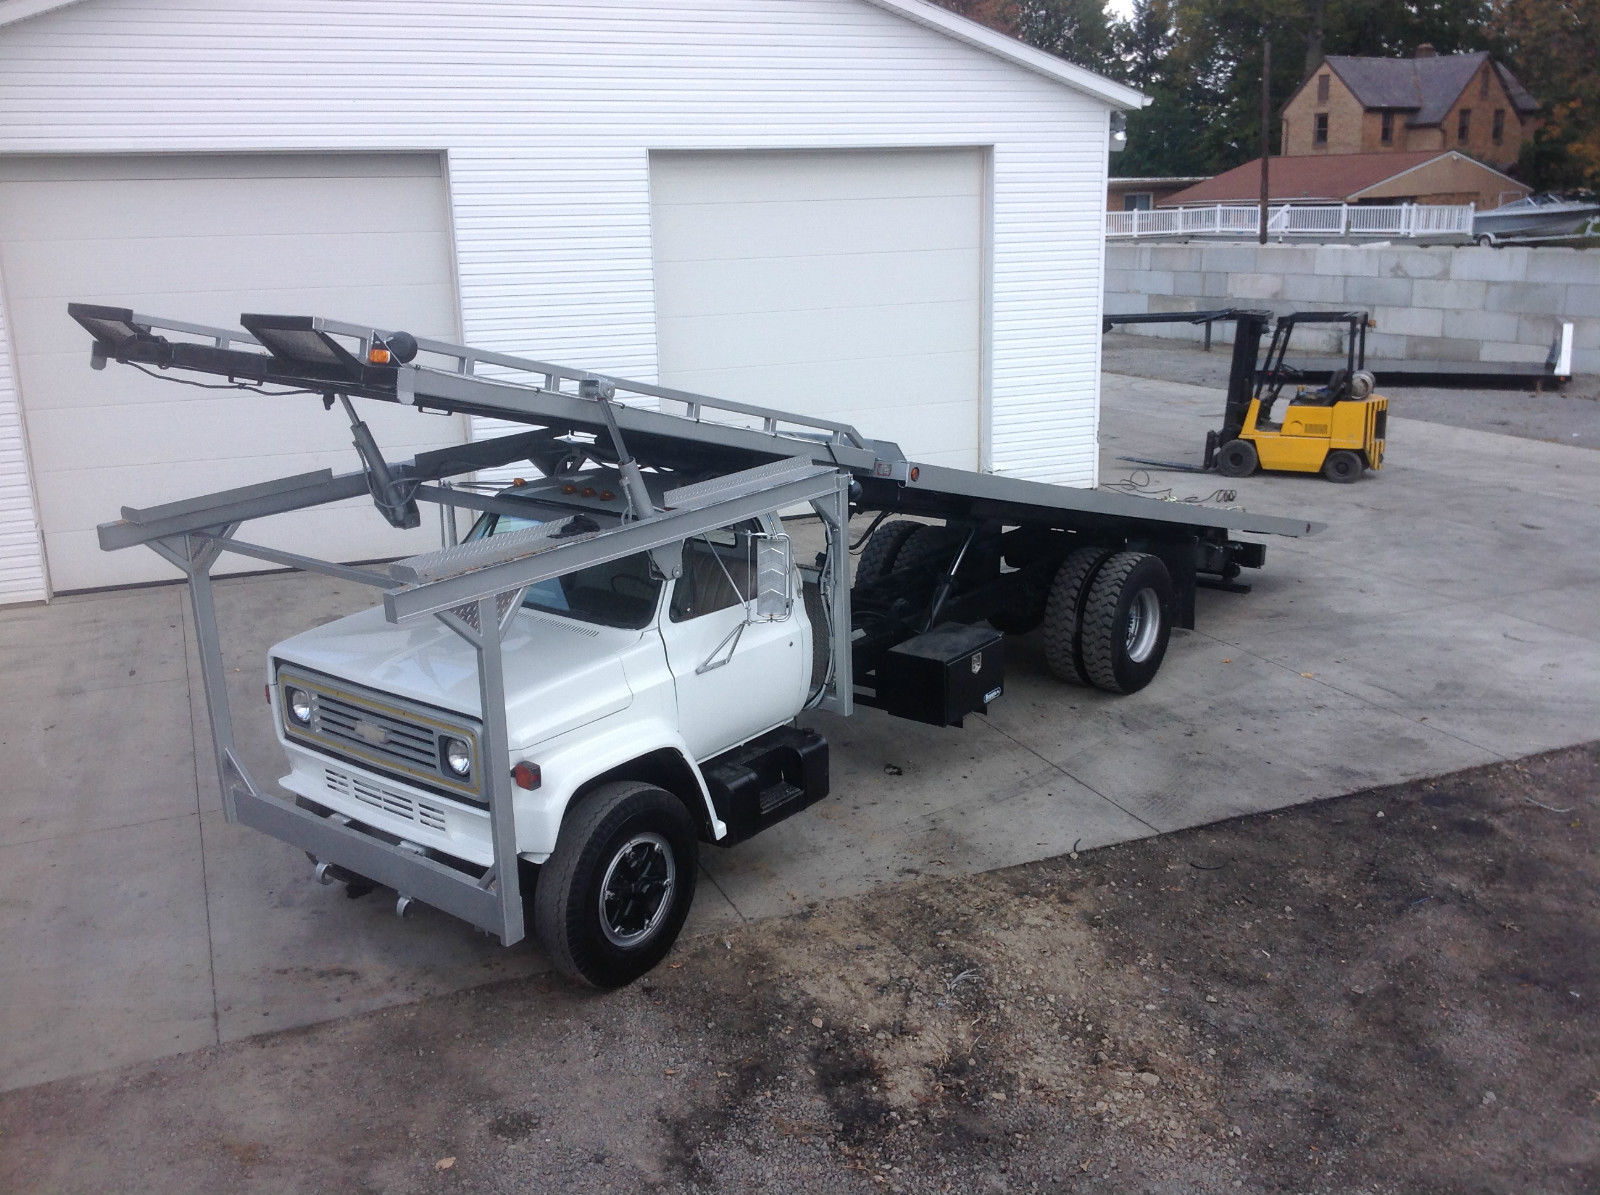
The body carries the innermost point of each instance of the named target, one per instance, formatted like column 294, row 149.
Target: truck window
column 622, row 593
column 717, row 573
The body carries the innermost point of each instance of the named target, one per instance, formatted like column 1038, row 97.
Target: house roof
column 1324, row 178
column 1426, row 87
column 929, row 16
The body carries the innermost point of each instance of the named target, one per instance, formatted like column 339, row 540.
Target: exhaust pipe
column 324, row 874
column 402, row 906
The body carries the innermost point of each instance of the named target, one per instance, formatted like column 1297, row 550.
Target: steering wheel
column 619, row 581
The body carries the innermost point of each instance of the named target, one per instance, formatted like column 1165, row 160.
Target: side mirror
column 774, row 597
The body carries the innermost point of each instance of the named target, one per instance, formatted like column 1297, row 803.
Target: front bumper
column 392, row 806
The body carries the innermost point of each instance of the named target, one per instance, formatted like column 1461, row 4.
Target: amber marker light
column 378, row 355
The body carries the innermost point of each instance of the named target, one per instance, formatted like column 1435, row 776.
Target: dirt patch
column 1394, row 991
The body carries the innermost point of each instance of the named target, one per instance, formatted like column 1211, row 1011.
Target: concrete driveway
column 1446, row 618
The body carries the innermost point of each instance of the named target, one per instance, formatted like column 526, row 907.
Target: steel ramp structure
column 690, row 432
column 714, row 463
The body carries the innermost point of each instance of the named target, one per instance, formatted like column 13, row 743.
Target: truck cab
column 615, row 675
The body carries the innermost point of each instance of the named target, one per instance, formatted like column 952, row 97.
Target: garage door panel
column 791, row 338
column 52, row 337
column 838, row 388
column 712, row 232
column 794, row 283
column 203, row 239
column 757, row 177
column 841, row 285
column 285, row 207
column 64, row 270
column 246, row 435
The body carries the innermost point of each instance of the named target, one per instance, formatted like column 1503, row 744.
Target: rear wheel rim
column 636, row 893
column 1144, row 625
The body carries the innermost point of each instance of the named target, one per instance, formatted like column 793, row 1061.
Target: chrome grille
column 383, row 732
column 363, row 727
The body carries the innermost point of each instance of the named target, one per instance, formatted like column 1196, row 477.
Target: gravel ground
column 1567, row 416
column 1392, row 991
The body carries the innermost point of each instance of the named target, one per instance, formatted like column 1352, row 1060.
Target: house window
column 1322, row 89
column 1137, row 201
column 1387, row 133
column 1319, row 130
column 1483, row 85
column 1463, row 124
column 1499, row 131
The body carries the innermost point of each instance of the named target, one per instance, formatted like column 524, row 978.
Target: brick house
column 1464, row 102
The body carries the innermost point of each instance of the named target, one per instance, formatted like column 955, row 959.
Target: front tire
column 613, row 896
column 1237, row 458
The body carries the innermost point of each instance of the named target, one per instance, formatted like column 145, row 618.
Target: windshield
column 622, row 593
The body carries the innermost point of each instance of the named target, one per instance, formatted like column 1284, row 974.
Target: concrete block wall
column 1431, row 303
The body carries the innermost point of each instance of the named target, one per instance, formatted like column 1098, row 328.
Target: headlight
column 458, row 757
column 298, row 703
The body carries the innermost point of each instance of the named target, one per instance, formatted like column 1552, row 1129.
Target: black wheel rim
column 636, row 893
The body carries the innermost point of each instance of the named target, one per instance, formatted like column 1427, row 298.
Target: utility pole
column 1266, row 130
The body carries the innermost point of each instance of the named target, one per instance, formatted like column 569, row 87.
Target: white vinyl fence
column 1324, row 221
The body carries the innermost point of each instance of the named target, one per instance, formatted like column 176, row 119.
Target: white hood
column 559, row 674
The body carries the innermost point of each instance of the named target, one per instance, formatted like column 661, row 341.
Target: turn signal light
column 378, row 355
column 526, row 775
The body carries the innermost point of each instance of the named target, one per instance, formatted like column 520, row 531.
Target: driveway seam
column 1050, row 763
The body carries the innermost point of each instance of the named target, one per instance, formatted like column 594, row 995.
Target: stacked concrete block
column 1431, row 303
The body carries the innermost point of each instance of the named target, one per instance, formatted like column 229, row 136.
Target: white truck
column 544, row 721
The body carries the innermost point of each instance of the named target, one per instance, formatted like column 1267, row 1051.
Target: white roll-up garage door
column 843, row 284
column 359, row 237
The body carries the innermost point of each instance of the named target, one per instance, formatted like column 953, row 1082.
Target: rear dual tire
column 1108, row 619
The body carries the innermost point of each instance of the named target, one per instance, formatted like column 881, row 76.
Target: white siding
column 21, row 554
column 548, row 112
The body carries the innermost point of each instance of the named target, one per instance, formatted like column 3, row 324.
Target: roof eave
column 983, row 38
column 12, row 11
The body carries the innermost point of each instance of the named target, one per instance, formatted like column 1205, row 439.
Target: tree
column 1552, row 47
column 1076, row 30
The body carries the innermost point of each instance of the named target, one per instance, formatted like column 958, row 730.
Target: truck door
column 734, row 679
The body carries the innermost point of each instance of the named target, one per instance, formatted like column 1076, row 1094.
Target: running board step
column 760, row 783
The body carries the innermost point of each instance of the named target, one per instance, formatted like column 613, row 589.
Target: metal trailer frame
column 474, row 589
column 757, row 459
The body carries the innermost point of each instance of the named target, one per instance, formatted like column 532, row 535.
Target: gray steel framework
column 474, row 589
column 758, row 459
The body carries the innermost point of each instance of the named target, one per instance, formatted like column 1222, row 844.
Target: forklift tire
column 1063, row 613
column 877, row 558
column 1237, row 458
column 1343, row 465
column 612, row 897
column 1127, row 620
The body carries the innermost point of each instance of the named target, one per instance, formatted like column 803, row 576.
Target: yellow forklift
column 1337, row 429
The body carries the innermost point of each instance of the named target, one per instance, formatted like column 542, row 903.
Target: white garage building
column 870, row 209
